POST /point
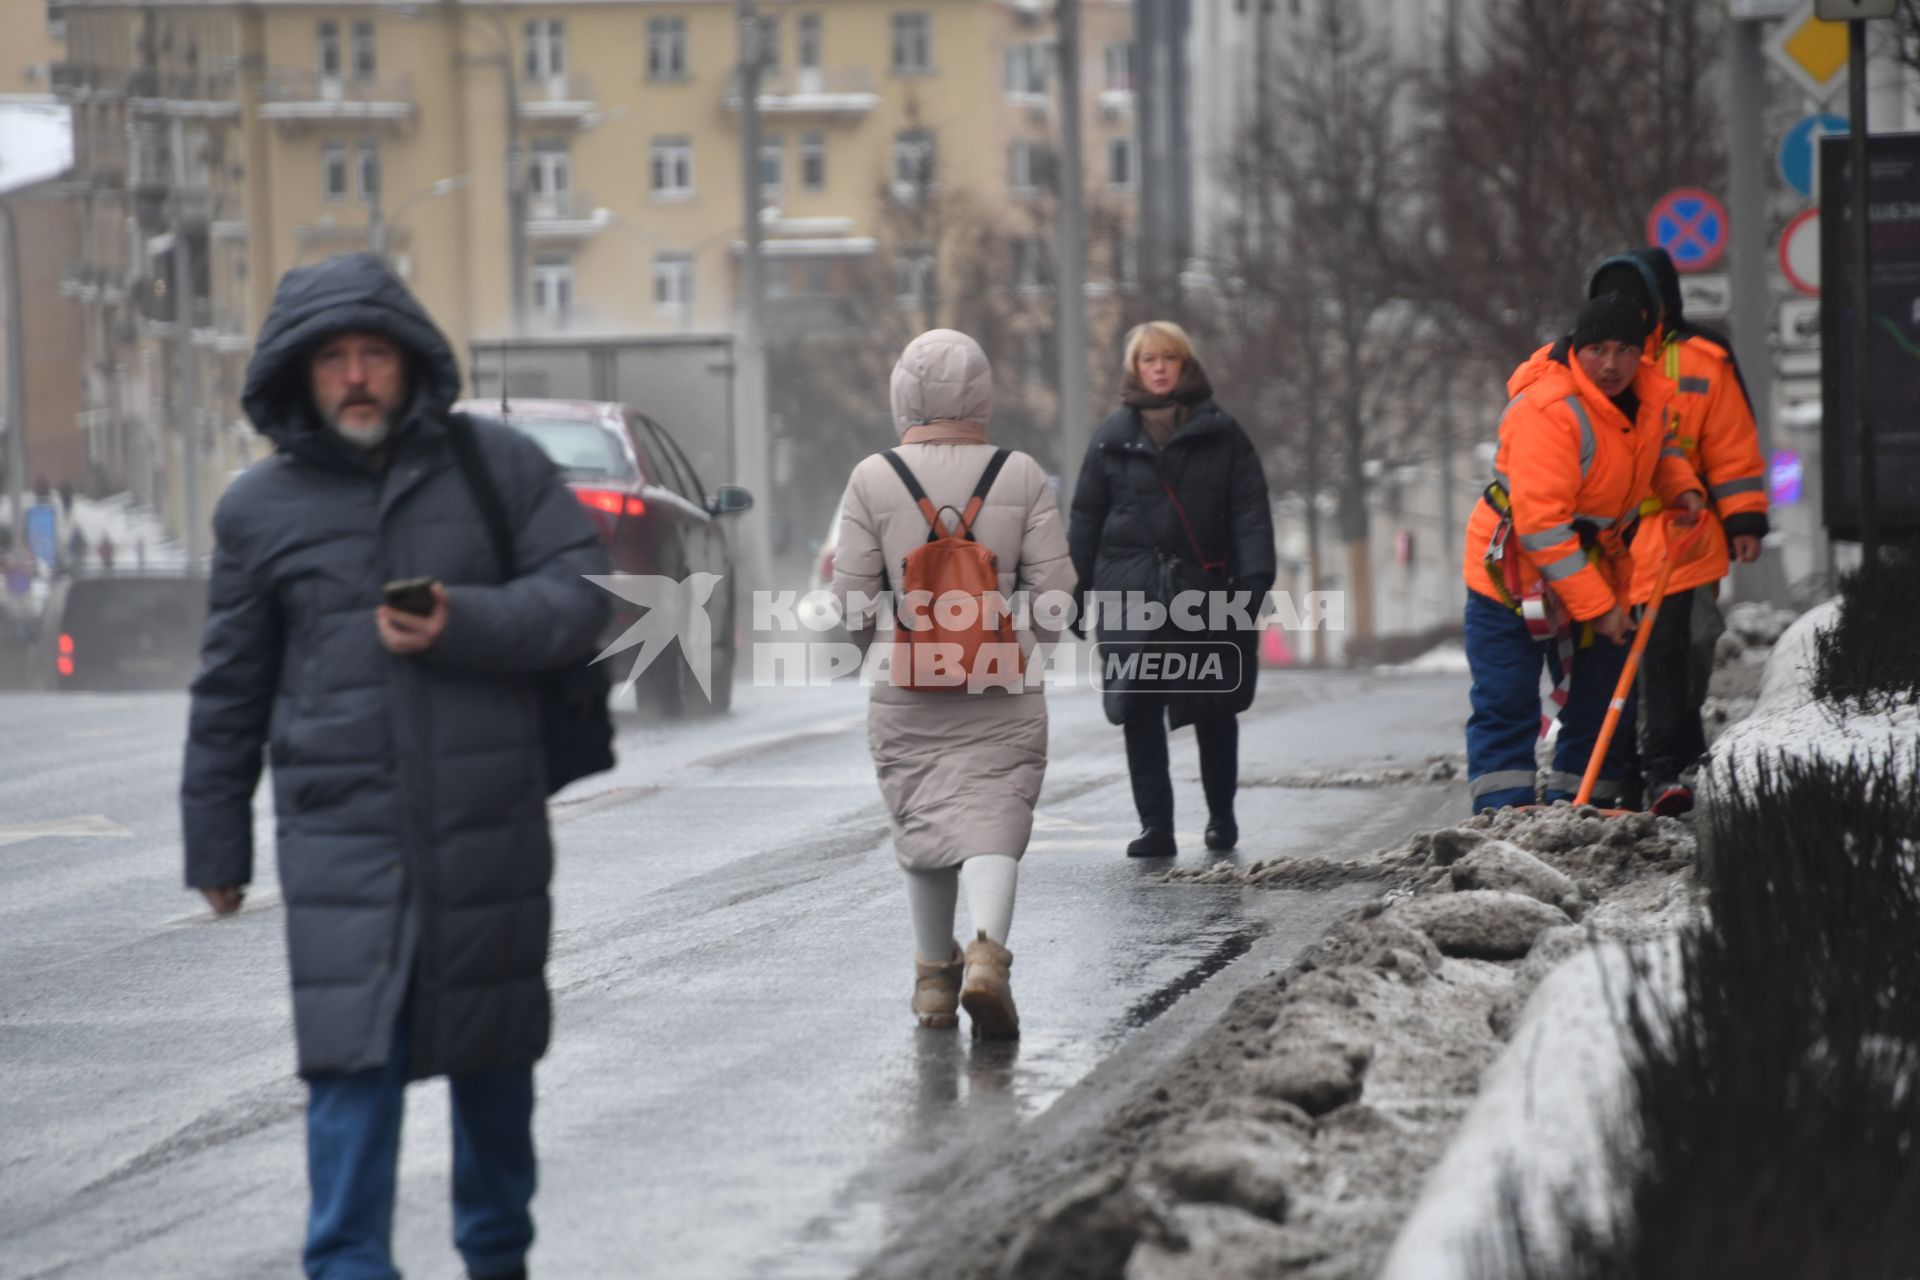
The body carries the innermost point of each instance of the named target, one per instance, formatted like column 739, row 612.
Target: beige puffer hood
column 942, row 376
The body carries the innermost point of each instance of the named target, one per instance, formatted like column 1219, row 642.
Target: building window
column 367, row 169
column 328, row 36
column 1030, row 264
column 365, row 65
column 913, row 158
column 773, row 165
column 1120, row 163
column 333, row 171
column 769, row 43
column 550, row 177
column 1029, row 68
column 913, row 276
column 553, row 286
column 813, row 161
column 666, row 48
column 807, row 49
column 673, row 282
column 546, row 48
column 1120, row 66
column 1029, row 166
column 672, row 166
column 912, row 44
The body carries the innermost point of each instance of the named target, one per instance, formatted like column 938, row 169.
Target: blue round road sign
column 1691, row 226
column 1797, row 150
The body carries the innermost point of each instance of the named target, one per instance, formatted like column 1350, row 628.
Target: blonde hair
column 1165, row 331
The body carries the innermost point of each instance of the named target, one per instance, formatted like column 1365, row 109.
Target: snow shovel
column 1627, row 673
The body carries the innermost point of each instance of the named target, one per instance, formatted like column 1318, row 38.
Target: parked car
column 654, row 514
column 138, row 630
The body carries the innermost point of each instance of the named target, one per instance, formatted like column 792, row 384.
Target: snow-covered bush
column 1869, row 659
column 1774, row 1099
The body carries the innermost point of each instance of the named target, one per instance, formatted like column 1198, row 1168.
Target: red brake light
column 66, row 644
column 611, row 502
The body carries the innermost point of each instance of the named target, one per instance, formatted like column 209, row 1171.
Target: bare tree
column 1319, row 325
column 1547, row 150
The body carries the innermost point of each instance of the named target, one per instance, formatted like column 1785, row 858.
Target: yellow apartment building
column 55, row 447
column 268, row 134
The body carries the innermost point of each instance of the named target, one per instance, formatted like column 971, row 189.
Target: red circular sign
column 1691, row 226
column 1800, row 252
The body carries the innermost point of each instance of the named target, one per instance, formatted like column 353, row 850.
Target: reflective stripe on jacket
column 1569, row 456
column 1713, row 425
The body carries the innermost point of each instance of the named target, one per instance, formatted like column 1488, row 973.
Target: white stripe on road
column 92, row 824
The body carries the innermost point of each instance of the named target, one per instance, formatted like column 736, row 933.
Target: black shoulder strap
column 992, row 473
column 493, row 511
column 906, row 475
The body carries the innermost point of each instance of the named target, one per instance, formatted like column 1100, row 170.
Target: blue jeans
column 353, row 1147
column 1505, row 723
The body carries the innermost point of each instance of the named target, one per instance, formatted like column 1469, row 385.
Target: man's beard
column 370, row 436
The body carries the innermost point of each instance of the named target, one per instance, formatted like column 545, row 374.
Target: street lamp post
column 750, row 358
column 380, row 229
column 16, row 380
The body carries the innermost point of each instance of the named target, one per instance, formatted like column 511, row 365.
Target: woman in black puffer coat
column 1171, row 503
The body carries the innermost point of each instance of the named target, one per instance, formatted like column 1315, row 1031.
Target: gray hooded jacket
column 412, row 834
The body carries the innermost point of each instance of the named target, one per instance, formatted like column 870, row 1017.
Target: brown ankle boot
column 987, row 992
column 936, row 991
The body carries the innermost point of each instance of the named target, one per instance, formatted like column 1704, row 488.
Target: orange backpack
column 952, row 627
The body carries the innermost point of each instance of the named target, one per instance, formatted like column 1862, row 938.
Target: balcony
column 93, row 283
column 565, row 215
column 811, row 92
column 225, row 330
column 568, row 98
column 304, row 97
column 198, row 96
column 81, row 82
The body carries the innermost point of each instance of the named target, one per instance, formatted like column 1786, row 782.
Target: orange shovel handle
column 1625, row 686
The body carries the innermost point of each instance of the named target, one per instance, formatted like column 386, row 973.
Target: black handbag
column 576, row 727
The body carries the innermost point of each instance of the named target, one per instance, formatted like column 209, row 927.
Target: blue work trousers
column 353, row 1148
column 1505, row 660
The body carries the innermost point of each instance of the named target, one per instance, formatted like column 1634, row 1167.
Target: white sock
column 991, row 880
column 932, row 896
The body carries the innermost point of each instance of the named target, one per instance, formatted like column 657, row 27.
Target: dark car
column 654, row 514
column 123, row 631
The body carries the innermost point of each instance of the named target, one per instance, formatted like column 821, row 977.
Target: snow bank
column 1445, row 659
column 1534, row 1144
column 1787, row 723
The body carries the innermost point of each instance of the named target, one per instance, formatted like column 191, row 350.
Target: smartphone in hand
column 409, row 595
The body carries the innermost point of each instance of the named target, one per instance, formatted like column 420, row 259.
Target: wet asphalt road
column 736, row 1088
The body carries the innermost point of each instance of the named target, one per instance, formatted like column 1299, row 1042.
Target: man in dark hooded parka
column 409, row 781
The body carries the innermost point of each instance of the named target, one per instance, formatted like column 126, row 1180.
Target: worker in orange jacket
column 1582, row 446
column 1712, row 423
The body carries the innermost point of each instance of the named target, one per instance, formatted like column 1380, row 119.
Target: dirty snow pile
column 1293, row 1137
column 1740, row 656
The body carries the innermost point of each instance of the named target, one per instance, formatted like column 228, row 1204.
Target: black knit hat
column 1609, row 317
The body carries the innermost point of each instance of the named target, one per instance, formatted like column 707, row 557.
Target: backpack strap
column 486, row 495
column 914, row 490
column 979, row 497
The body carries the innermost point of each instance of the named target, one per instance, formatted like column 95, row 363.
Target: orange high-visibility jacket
column 1568, row 454
column 1713, row 425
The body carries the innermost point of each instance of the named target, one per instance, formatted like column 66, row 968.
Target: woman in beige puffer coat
column 960, row 770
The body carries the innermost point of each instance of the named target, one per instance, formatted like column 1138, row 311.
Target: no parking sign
column 1691, row 226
